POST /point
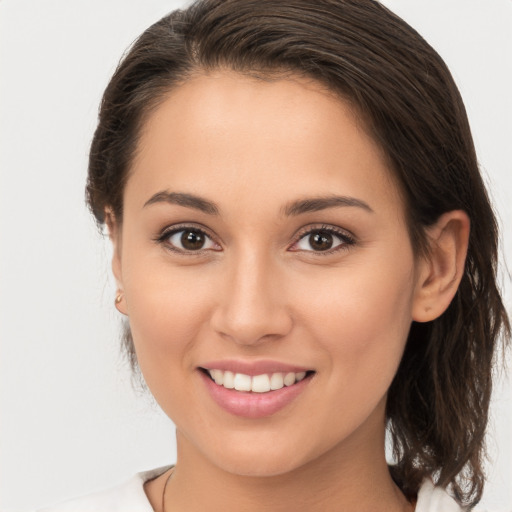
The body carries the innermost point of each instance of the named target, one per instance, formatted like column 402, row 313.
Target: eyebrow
column 315, row 204
column 294, row 208
column 183, row 199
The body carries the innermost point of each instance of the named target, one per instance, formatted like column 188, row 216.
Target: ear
column 114, row 233
column 440, row 271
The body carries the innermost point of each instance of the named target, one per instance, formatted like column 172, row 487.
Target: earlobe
column 119, row 302
column 114, row 233
column 440, row 271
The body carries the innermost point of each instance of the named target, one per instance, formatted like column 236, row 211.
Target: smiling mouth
column 263, row 383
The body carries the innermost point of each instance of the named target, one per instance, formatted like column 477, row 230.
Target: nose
column 251, row 306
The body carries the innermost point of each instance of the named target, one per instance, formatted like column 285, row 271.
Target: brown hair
column 438, row 403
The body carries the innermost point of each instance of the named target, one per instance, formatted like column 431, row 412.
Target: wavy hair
column 437, row 408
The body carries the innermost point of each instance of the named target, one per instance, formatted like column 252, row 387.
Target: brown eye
column 189, row 240
column 192, row 240
column 321, row 241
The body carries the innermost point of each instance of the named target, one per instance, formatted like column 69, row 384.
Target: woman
column 306, row 255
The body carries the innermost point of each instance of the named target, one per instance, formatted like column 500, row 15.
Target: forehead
column 234, row 137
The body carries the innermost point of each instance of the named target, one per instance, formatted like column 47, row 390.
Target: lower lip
column 253, row 405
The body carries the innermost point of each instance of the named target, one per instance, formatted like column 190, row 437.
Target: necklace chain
column 413, row 504
column 165, row 488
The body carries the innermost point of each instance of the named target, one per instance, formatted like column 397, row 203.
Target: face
column 264, row 245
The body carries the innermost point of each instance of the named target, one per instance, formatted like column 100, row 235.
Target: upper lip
column 253, row 368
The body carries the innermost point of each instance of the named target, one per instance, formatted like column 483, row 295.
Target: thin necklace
column 165, row 488
column 414, row 503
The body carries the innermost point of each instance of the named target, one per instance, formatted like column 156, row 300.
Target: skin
column 258, row 290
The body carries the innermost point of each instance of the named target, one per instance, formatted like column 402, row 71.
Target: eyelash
column 346, row 239
column 170, row 231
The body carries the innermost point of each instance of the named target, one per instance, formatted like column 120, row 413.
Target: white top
column 130, row 497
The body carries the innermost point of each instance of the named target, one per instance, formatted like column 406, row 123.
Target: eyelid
column 347, row 238
column 168, row 231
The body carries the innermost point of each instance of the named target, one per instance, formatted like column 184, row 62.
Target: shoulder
column 129, row 495
column 435, row 499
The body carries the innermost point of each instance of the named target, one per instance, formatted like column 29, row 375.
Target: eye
column 187, row 239
column 326, row 239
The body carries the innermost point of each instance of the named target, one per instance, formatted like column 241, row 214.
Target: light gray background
column 70, row 421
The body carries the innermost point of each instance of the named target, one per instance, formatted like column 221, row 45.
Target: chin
column 259, row 459
column 259, row 468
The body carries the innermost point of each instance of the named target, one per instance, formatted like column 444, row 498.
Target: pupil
column 321, row 241
column 192, row 240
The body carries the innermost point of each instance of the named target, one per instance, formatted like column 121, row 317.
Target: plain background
column 70, row 420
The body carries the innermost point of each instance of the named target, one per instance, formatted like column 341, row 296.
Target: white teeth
column 299, row 376
column 289, row 379
column 229, row 380
column 258, row 384
column 276, row 381
column 242, row 382
column 217, row 376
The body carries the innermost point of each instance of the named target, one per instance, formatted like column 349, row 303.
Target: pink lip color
column 253, row 405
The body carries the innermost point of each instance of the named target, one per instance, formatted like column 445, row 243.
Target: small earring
column 119, row 298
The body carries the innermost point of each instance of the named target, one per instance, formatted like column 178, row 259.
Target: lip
column 253, row 368
column 253, row 405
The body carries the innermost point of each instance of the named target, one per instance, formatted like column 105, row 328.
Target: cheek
column 361, row 320
column 166, row 308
